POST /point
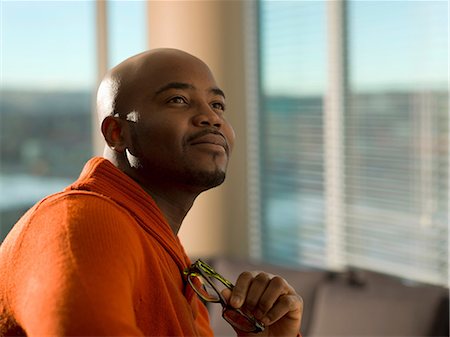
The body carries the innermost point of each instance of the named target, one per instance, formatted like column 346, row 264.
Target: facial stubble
column 183, row 170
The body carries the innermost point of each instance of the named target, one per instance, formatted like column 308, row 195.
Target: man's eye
column 218, row 106
column 178, row 100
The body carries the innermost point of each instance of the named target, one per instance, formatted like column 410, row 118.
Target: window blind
column 293, row 60
column 393, row 138
column 396, row 139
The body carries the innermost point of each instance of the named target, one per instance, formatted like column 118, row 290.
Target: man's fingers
column 240, row 290
column 291, row 305
column 256, row 290
column 275, row 288
column 270, row 299
column 265, row 295
column 226, row 293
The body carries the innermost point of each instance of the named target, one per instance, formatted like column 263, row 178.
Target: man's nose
column 206, row 116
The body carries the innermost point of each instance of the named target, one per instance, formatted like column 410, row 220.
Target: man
column 102, row 257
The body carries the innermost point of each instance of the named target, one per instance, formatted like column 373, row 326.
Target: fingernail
column 235, row 301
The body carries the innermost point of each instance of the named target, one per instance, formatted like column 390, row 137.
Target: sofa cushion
column 376, row 306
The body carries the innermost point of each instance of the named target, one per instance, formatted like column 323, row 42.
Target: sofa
column 352, row 303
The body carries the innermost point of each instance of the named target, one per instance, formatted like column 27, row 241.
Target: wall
column 212, row 31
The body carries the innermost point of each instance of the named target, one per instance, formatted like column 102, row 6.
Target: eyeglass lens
column 241, row 321
column 202, row 285
column 203, row 288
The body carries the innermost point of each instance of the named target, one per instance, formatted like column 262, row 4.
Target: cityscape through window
column 376, row 195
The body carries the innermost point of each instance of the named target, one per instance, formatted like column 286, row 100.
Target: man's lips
column 210, row 137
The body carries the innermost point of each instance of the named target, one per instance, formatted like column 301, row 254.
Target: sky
column 52, row 44
column 391, row 44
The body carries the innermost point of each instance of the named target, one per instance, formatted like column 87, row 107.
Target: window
column 48, row 73
column 293, row 86
column 49, row 76
column 396, row 131
column 127, row 30
column 364, row 185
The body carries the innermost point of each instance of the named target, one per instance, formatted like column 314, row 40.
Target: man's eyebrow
column 182, row 85
column 217, row 91
column 174, row 85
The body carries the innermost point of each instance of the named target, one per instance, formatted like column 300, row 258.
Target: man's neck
column 174, row 208
column 173, row 201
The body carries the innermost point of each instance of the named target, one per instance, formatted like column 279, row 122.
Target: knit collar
column 100, row 176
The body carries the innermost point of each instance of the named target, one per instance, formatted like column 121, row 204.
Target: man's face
column 178, row 131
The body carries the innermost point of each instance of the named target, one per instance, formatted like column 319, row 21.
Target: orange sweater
column 98, row 259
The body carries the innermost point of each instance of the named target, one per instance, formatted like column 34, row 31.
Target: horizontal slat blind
column 394, row 138
column 291, row 133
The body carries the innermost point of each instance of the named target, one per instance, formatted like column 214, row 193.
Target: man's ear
column 113, row 129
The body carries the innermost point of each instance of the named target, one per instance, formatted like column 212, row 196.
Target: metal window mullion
column 423, row 136
column 102, row 66
column 253, row 148
column 334, row 106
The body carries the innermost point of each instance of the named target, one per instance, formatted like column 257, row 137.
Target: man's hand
column 271, row 300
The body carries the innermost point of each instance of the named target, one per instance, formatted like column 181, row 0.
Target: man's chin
column 206, row 180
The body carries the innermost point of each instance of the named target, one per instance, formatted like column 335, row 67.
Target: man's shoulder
column 73, row 214
column 75, row 222
column 77, row 202
column 75, row 195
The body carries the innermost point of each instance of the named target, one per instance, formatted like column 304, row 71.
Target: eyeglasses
column 203, row 280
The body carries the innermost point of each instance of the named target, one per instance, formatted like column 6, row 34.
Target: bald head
column 124, row 86
column 163, row 119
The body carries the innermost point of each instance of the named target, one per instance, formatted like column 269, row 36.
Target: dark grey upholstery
column 381, row 306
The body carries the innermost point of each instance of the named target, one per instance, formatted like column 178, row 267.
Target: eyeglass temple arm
column 211, row 272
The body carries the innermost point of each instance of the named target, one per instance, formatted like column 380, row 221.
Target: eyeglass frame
column 206, row 271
